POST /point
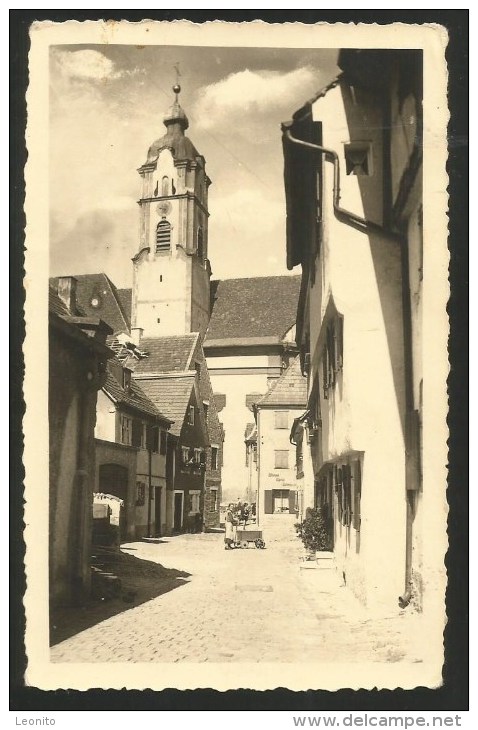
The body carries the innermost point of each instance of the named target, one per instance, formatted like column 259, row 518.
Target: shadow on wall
column 125, row 582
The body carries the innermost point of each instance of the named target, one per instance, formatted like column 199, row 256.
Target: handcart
column 245, row 537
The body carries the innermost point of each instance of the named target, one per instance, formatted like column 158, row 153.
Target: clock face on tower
column 163, row 209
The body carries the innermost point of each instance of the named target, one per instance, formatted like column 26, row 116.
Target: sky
column 106, row 107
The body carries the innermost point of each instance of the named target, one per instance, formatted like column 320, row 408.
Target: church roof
column 97, row 296
column 173, row 394
column 289, row 390
column 124, row 296
column 263, row 306
column 167, row 354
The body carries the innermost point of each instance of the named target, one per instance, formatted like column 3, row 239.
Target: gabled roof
column 289, row 390
column 99, row 288
column 173, row 395
column 258, row 307
column 134, row 397
column 167, row 354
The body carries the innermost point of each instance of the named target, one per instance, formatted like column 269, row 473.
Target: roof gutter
column 347, row 216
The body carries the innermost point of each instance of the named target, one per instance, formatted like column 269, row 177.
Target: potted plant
column 314, row 533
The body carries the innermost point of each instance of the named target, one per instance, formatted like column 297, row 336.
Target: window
column 144, row 436
column 191, row 415
column 358, row 158
column 281, row 459
column 214, row 455
column 140, row 494
column 194, row 496
column 206, row 409
column 185, row 454
column 126, row 430
column 200, row 248
column 163, row 440
column 163, row 236
column 214, row 504
column 281, row 419
column 332, row 354
column 126, row 378
column 153, row 438
column 197, row 456
column 280, row 501
column 137, row 433
column 165, row 185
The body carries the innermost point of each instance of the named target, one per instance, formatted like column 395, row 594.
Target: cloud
column 249, row 92
column 89, row 65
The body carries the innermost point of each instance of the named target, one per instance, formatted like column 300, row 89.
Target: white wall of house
column 235, row 416
column 277, row 466
column 364, row 412
column 105, row 427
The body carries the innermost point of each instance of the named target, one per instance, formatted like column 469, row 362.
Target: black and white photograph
column 236, row 277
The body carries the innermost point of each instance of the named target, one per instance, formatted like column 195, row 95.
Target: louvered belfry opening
column 163, row 236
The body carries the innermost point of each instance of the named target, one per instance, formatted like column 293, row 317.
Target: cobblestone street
column 244, row 605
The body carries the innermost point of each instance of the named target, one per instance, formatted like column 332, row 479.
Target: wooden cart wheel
column 244, row 543
column 260, row 543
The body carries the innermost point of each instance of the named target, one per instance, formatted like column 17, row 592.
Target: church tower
column 171, row 275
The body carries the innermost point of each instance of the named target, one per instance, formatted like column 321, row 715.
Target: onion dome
column 175, row 121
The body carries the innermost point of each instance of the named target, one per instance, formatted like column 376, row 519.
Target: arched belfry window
column 163, row 236
column 200, row 248
column 165, row 185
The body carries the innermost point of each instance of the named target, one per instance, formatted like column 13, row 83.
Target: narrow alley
column 244, row 605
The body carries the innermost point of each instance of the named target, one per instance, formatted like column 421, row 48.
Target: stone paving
column 244, row 605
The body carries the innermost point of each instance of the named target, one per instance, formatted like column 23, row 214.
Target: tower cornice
column 177, row 196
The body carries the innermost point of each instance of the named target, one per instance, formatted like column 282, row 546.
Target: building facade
column 353, row 167
column 249, row 342
column 77, row 369
column 131, row 447
column 279, row 494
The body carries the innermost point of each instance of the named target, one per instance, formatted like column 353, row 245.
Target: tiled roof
column 135, row 397
column 172, row 396
column 166, row 354
column 258, row 307
column 124, row 296
column 110, row 308
column 289, row 390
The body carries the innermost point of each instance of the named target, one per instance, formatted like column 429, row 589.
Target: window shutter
column 357, row 482
column 339, row 343
column 149, row 438
column 325, row 372
column 292, row 498
column 136, row 433
column 268, row 507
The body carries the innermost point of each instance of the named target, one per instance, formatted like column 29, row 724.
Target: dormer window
column 163, row 236
column 126, row 379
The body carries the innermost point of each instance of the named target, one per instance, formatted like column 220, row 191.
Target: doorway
column 113, row 479
column 157, row 511
column 178, row 511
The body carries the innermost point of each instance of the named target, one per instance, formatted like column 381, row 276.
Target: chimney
column 67, row 292
column 136, row 335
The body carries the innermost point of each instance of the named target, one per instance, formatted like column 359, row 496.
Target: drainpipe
column 347, row 216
